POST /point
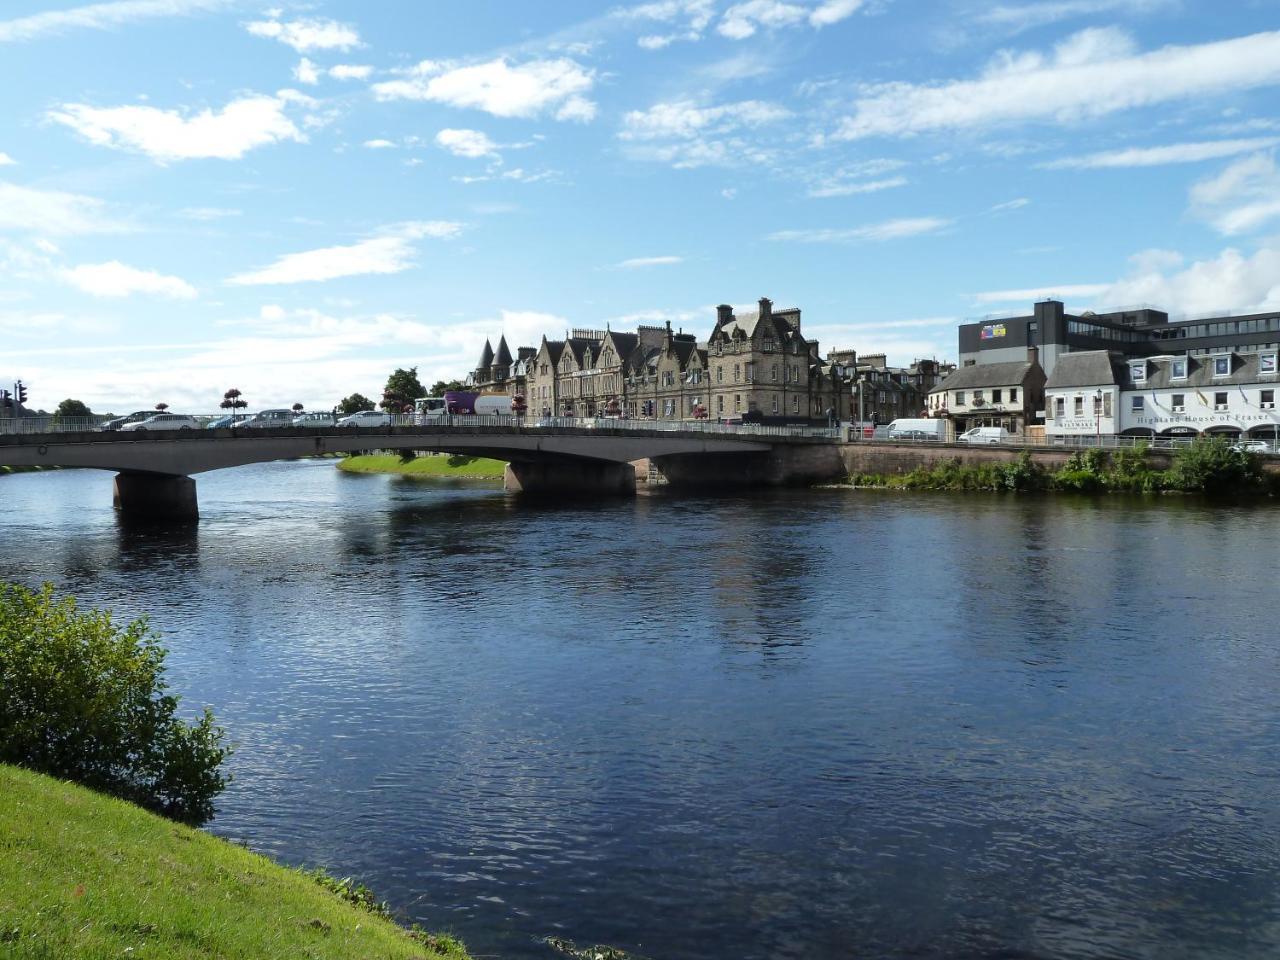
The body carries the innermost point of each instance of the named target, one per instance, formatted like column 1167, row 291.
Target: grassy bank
column 1209, row 467
column 36, row 469
column 441, row 466
column 84, row 875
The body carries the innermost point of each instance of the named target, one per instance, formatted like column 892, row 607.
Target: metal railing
column 1076, row 442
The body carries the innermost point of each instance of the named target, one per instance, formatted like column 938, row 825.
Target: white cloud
column 306, row 72
column 636, row 263
column 100, row 16
column 1027, row 294
column 888, row 230
column 165, row 135
column 500, row 88
column 307, row 34
column 53, row 212
column 351, row 71
column 6, row 160
column 1089, row 75
column 1018, row 18
column 1242, row 198
column 466, row 143
column 391, row 251
column 742, row 20
column 1158, row 156
column 379, row 144
column 686, row 119
column 115, row 279
column 852, row 189
column 690, row 18
column 1016, row 204
column 1231, row 282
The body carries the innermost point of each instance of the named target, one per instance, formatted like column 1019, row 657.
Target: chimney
column 1033, row 355
column 724, row 313
column 766, row 308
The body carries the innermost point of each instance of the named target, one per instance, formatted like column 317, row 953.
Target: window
column 719, row 404
column 1013, row 394
column 1139, row 404
column 977, row 396
column 1106, row 404
column 751, row 372
column 719, row 373
column 795, row 404
column 995, row 396
column 737, row 372
column 737, row 403
column 1179, row 402
column 1138, row 372
column 1079, row 407
column 1178, row 369
column 959, row 398
column 1220, row 401
column 1059, row 407
column 1222, row 366
column 1267, row 364
column 773, row 372
column 775, row 403
column 1267, row 399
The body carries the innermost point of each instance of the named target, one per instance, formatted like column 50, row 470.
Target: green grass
column 442, row 466
column 86, row 876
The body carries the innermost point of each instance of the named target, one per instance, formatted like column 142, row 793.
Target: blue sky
column 294, row 199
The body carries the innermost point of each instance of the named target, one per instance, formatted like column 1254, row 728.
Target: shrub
column 1210, row 465
column 84, row 699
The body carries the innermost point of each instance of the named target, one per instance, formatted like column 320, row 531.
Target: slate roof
column 554, row 349
column 624, row 343
column 503, row 358
column 1244, row 370
column 486, row 356
column 583, row 350
column 981, row 375
column 1088, row 368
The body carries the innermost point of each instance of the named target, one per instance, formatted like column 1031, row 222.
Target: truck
column 466, row 403
column 934, row 430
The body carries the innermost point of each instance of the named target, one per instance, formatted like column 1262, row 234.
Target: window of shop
column 1222, row 366
column 1079, row 407
column 1179, row 402
column 1220, row 401
column 1178, row 370
column 1138, row 404
column 1059, row 407
column 1267, row 399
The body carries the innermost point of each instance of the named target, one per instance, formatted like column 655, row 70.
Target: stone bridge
column 155, row 468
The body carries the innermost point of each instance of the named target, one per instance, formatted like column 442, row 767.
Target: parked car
column 315, row 420
column 918, row 429
column 136, row 417
column 985, row 435
column 366, row 418
column 1252, row 446
column 163, row 421
column 268, row 419
column 229, row 420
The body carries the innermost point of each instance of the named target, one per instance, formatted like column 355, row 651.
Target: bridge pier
column 569, row 478
column 156, row 497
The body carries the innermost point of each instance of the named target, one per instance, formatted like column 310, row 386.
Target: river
column 807, row 724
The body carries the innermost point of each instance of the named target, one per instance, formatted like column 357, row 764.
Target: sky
column 294, row 200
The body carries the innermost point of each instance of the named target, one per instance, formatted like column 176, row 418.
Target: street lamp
column 861, row 429
column 1097, row 417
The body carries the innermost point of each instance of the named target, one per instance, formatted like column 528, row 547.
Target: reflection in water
column 813, row 724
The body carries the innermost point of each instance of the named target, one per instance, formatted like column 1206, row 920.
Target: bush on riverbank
column 91, row 876
column 85, row 699
column 439, row 466
column 1208, row 466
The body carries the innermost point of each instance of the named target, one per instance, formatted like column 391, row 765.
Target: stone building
column 500, row 374
column 760, row 362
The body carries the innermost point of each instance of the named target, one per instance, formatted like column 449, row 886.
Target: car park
column 315, row 420
column 269, row 419
column 366, row 418
column 163, row 421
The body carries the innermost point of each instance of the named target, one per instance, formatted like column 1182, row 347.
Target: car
column 366, row 418
column 315, row 420
column 985, row 435
column 136, row 417
column 163, row 421
column 269, row 419
column 229, row 420
column 1252, row 446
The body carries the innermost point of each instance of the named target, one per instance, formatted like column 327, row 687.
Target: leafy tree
column 403, row 387
column 83, row 698
column 72, row 410
column 234, row 401
column 297, row 408
column 354, row 404
column 1211, row 465
column 162, row 407
column 442, row 387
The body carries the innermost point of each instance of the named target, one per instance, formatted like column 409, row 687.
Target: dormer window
column 1178, row 369
column 1222, row 366
column 1138, row 371
column 1267, row 364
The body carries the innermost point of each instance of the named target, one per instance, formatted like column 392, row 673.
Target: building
column 1008, row 394
column 760, row 362
column 500, row 374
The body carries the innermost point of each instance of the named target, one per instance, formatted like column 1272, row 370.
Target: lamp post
column 861, row 429
column 1097, row 417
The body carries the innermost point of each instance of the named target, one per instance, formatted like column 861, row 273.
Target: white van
column 934, row 430
column 985, row 435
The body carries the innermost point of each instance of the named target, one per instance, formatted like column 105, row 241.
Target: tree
column 162, row 407
column 444, row 386
column 233, row 400
column 403, row 387
column 297, row 408
column 354, row 404
column 72, row 410
column 84, row 699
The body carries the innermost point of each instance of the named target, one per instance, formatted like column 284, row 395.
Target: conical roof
column 486, row 357
column 503, row 359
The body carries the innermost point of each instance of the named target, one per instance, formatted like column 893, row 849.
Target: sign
column 992, row 330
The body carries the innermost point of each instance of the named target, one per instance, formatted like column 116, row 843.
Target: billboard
column 991, row 331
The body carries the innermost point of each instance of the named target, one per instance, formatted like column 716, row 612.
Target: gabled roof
column 981, row 375
column 623, row 343
column 554, row 349
column 1087, row 368
column 583, row 350
column 503, row 358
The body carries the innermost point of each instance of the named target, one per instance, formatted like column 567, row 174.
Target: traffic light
column 22, row 392
column 6, row 399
